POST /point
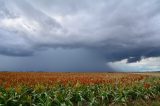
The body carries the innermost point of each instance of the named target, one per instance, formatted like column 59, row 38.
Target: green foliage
column 81, row 95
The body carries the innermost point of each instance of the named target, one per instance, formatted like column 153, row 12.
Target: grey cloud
column 13, row 44
column 133, row 59
column 15, row 52
column 26, row 10
column 115, row 29
column 55, row 60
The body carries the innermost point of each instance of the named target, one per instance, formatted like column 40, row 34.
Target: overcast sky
column 83, row 35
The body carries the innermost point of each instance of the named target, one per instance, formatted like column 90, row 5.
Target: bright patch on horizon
column 146, row 64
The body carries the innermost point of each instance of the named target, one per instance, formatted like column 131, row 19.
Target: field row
column 78, row 89
column 32, row 78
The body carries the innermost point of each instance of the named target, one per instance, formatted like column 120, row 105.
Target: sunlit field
column 79, row 89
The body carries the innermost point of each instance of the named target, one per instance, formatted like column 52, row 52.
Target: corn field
column 78, row 89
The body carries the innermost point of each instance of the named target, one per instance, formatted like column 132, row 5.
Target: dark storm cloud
column 55, row 60
column 15, row 52
column 133, row 59
column 132, row 54
column 127, row 29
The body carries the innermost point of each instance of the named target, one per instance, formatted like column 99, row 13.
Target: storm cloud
column 114, row 29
